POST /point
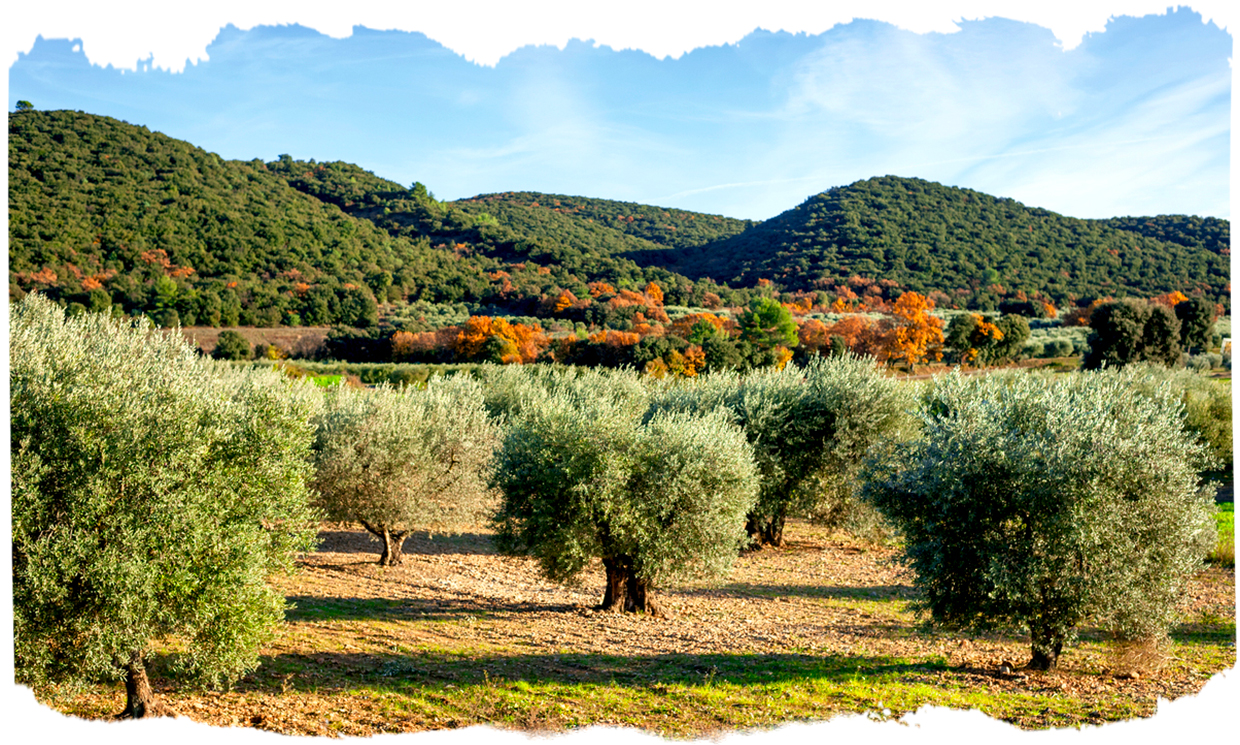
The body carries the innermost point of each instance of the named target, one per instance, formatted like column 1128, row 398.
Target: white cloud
column 120, row 33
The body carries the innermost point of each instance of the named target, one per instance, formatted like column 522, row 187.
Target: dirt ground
column 289, row 338
column 772, row 602
column 819, row 595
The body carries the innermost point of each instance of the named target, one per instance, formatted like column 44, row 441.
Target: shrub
column 153, row 493
column 231, row 346
column 1206, row 411
column 583, row 477
column 1043, row 503
column 1058, row 348
column 396, row 461
column 1204, row 362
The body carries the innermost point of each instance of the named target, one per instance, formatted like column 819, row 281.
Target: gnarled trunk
column 639, row 599
column 140, row 700
column 393, row 540
column 625, row 591
column 1047, row 645
column 618, row 571
column 766, row 530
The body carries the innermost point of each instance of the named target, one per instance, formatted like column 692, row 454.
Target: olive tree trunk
column 1047, row 643
column 140, row 700
column 626, row 592
column 392, row 540
column 766, row 530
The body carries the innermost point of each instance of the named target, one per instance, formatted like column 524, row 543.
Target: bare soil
column 821, row 595
column 289, row 338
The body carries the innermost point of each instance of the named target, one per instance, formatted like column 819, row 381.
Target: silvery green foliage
column 1047, row 501
column 405, row 459
column 154, row 492
column 810, row 429
column 512, row 389
column 1207, row 405
column 584, row 477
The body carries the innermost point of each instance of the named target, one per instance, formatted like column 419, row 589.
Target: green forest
column 106, row 214
column 926, row 237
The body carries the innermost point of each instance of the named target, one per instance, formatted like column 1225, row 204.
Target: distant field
column 285, row 337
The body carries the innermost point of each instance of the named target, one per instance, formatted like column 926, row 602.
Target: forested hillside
column 926, row 236
column 507, row 230
column 107, row 213
column 103, row 212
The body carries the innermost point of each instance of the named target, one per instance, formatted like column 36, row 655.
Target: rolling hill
column 104, row 212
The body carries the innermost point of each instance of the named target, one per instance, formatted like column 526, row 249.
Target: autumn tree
column 585, row 476
column 916, row 334
column 397, row 461
column 154, row 492
column 655, row 293
column 483, row 338
column 1045, row 501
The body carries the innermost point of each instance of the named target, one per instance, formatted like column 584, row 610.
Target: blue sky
column 1133, row 118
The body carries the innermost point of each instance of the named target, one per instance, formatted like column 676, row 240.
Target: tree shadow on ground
column 464, row 605
column 839, row 592
column 361, row 542
column 329, row 670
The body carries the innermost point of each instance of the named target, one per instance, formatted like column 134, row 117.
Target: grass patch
column 1224, row 553
column 326, row 381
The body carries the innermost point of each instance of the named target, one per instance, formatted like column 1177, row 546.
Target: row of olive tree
column 155, row 491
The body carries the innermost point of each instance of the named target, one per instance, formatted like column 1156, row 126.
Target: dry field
column 289, row 338
column 458, row 636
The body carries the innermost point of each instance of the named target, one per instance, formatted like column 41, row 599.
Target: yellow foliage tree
column 916, row 333
column 655, row 293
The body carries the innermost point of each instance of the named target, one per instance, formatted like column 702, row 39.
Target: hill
column 103, row 212
column 927, row 236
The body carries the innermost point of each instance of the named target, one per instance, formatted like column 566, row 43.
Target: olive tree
column 154, row 492
column 1045, row 503
column 399, row 460
column 1206, row 411
column 810, row 429
column 584, row 477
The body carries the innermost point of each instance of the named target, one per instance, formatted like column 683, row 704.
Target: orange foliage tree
column 655, row 293
column 1171, row 299
column 813, row 336
column 684, row 325
column 565, row 301
column 915, row 334
column 516, row 343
